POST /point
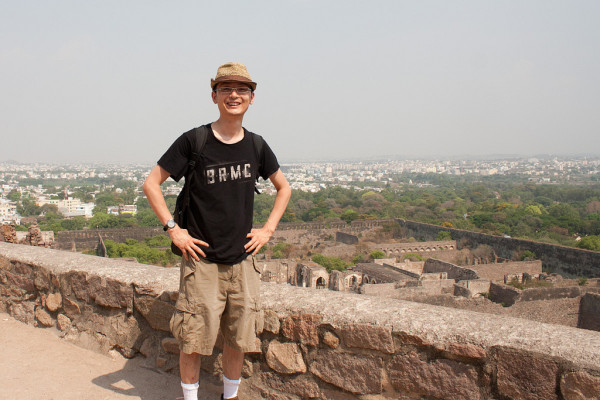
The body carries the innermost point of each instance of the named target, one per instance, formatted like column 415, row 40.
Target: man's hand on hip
column 258, row 238
column 187, row 244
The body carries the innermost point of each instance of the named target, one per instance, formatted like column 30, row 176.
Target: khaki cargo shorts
column 216, row 296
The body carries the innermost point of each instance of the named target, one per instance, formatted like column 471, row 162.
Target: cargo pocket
column 178, row 327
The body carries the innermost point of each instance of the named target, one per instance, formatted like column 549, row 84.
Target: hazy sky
column 120, row 80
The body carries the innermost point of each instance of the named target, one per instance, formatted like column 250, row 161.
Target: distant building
column 112, row 210
column 8, row 212
column 130, row 209
column 69, row 207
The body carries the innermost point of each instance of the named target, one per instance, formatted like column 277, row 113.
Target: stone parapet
column 313, row 344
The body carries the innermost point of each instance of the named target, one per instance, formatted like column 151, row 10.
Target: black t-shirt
column 222, row 190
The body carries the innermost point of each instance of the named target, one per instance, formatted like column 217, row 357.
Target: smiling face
column 233, row 103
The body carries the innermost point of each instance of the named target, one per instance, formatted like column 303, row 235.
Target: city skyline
column 117, row 83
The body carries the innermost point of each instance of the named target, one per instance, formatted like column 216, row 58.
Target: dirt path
column 37, row 365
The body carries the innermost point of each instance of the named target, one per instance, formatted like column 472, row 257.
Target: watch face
column 171, row 224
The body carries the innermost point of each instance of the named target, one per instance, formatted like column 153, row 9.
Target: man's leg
column 233, row 361
column 189, row 367
column 189, row 370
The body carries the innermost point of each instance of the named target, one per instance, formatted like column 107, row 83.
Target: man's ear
column 214, row 96
column 252, row 98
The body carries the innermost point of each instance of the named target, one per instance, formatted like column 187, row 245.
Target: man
column 219, row 285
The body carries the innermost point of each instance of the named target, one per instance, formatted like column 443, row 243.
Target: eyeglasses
column 242, row 91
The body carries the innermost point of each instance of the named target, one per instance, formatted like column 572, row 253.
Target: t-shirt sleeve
column 175, row 159
column 269, row 163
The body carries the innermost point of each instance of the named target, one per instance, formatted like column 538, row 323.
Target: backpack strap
column 258, row 142
column 198, row 142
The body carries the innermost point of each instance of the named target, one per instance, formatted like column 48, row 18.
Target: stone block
column 507, row 295
column 23, row 312
column 359, row 374
column 43, row 317
column 368, row 337
column 53, row 302
column 71, row 308
column 41, row 280
column 331, row 340
column 409, row 373
column 303, row 386
column 580, row 385
column 525, row 375
column 148, row 348
column 271, row 323
column 104, row 292
column 161, row 362
column 302, row 328
column 170, row 345
column 23, row 269
column 470, row 351
column 112, row 293
column 19, row 281
column 285, row 358
column 156, row 312
column 63, row 322
column 153, row 289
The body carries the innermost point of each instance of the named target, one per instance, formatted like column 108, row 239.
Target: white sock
column 230, row 387
column 190, row 391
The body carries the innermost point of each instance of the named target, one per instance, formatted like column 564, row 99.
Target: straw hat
column 232, row 72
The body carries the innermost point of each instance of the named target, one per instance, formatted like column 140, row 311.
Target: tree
column 349, row 215
column 13, row 195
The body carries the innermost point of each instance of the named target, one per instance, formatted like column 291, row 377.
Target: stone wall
column 497, row 271
column 589, row 312
column 567, row 261
column 424, row 248
column 454, row 271
column 312, row 344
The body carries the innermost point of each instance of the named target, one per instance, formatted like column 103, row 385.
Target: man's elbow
column 148, row 185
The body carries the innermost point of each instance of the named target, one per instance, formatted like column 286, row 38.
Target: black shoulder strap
column 198, row 142
column 258, row 147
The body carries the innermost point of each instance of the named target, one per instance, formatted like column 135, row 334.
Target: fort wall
column 567, row 261
column 312, row 344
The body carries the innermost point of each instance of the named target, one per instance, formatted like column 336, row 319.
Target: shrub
column 330, row 263
column 413, row 257
column 443, row 235
column 376, row 254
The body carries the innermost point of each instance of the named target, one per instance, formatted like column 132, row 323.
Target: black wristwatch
column 169, row 225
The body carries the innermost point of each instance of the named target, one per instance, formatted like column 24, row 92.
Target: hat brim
column 232, row 78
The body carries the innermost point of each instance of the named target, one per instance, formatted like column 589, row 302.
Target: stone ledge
column 438, row 326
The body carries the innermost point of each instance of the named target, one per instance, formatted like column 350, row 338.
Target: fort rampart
column 312, row 344
column 561, row 259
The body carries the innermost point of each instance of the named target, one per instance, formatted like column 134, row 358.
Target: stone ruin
column 34, row 236
column 8, row 233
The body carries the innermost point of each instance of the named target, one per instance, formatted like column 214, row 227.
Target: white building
column 8, row 212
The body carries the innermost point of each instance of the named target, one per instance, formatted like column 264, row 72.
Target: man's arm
column 260, row 237
column 179, row 236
